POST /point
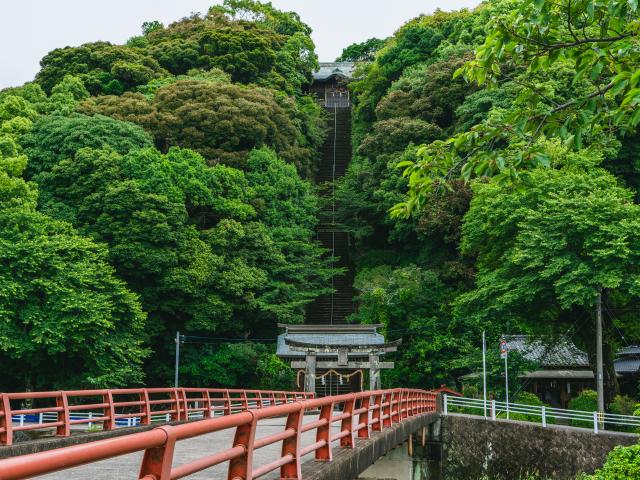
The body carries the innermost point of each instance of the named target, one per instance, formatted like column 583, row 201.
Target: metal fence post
column 242, row 467
column 386, row 411
column 544, row 416
column 445, row 403
column 347, row 423
column 90, row 417
column 595, row 422
column 6, row 426
column 364, row 417
column 376, row 426
column 183, row 402
column 145, row 417
column 396, row 399
column 207, row 405
column 175, row 402
column 323, row 433
column 291, row 446
column 157, row 461
column 63, row 430
column 403, row 406
column 493, row 409
column 227, row 403
column 110, row 412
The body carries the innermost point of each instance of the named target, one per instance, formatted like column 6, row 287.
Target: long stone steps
column 336, row 307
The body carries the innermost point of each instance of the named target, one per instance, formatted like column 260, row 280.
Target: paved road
column 127, row 467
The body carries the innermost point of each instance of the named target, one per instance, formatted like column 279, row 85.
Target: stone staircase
column 336, row 153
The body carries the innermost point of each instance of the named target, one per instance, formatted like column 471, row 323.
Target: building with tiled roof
column 563, row 370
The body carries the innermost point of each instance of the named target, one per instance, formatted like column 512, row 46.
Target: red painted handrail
column 140, row 403
column 358, row 415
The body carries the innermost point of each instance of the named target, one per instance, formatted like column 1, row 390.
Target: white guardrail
column 495, row 409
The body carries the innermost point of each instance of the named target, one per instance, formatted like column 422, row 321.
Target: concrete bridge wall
column 505, row 450
column 348, row 464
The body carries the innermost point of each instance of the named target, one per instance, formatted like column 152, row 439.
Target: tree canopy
column 174, row 163
column 221, row 120
column 208, row 249
column 67, row 320
column 575, row 64
column 361, row 52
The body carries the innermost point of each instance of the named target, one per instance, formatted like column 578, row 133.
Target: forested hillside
column 166, row 184
column 503, row 143
column 157, row 186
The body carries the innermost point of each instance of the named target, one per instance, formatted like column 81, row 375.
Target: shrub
column 622, row 405
column 623, row 463
column 587, row 401
column 527, row 398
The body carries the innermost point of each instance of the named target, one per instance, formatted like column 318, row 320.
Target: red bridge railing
column 63, row 409
column 357, row 414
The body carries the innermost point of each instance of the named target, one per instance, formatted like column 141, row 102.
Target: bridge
column 248, row 434
column 219, row 433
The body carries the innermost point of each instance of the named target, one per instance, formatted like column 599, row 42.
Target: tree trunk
column 588, row 336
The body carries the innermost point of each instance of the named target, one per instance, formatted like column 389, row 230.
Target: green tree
column 67, row 321
column 412, row 303
column 224, row 364
column 361, row 52
column 222, row 121
column 545, row 251
column 263, row 13
column 208, row 249
column 102, row 67
column 594, row 42
column 252, row 41
column 57, row 137
column 148, row 27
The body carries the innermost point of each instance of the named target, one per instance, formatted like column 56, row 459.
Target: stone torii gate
column 310, row 364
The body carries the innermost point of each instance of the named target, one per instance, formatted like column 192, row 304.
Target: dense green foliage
column 361, row 52
column 66, row 320
column 623, row 463
column 576, row 64
column 545, row 250
column 197, row 243
column 527, row 398
column 58, row 137
column 409, row 271
column 586, row 401
column 154, row 187
column 456, row 96
column 220, row 120
column 272, row 49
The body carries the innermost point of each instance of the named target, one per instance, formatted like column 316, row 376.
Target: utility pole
column 177, row 372
column 484, row 373
column 504, row 353
column 599, row 360
column 506, row 382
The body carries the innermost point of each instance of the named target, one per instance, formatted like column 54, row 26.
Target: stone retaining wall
column 506, row 450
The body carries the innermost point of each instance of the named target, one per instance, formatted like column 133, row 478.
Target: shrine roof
column 338, row 335
column 334, row 69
